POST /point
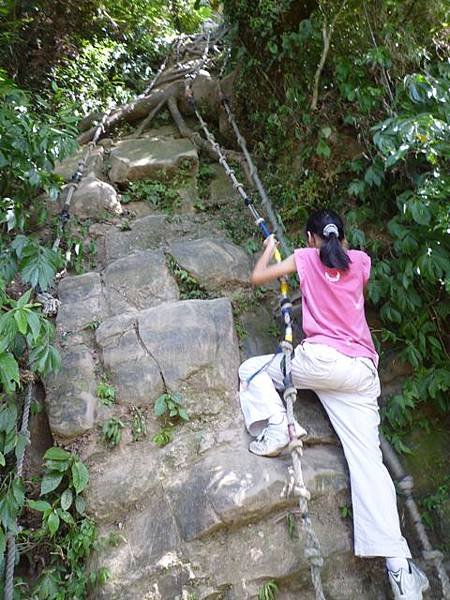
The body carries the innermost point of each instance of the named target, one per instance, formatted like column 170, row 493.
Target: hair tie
column 329, row 229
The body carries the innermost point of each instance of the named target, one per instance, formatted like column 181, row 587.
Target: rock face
column 94, row 165
column 199, row 518
column 94, row 198
column 214, row 263
column 151, row 157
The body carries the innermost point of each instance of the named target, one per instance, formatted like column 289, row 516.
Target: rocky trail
column 160, row 313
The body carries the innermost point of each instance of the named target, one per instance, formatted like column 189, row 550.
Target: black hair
column 332, row 254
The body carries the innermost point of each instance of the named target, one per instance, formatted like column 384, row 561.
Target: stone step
column 220, row 525
column 188, row 347
column 151, row 157
column 153, row 231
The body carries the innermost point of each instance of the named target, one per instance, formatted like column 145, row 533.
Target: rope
column 11, row 538
column 406, row 485
column 256, row 179
column 312, row 547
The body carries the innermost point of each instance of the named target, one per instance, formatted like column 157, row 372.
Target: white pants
column 348, row 389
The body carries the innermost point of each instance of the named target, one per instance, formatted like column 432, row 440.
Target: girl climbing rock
column 337, row 359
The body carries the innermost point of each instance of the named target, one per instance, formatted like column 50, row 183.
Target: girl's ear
column 311, row 241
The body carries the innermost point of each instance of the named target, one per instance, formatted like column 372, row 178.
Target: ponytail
column 329, row 227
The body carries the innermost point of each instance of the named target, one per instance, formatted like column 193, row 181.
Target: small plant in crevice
column 138, row 424
column 79, row 250
column 112, row 431
column 268, row 590
column 291, row 525
column 106, row 393
column 189, row 287
column 241, row 332
column 163, row 437
column 160, row 195
column 433, row 504
column 346, row 511
column 170, row 409
column 205, row 174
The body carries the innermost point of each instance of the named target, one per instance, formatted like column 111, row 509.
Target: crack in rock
column 144, row 347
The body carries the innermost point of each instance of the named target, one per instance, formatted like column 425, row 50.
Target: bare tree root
column 146, row 122
column 196, row 138
column 135, row 110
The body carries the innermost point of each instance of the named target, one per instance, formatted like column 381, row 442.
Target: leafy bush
column 65, row 528
column 30, row 143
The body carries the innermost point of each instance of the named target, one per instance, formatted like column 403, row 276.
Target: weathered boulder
column 259, row 337
column 82, row 302
column 138, row 281
column 156, row 230
column 93, row 198
column 120, row 482
column 215, row 263
column 134, row 371
column 158, row 157
column 94, row 165
column 221, row 191
column 71, row 394
column 196, row 349
column 312, row 416
column 233, row 486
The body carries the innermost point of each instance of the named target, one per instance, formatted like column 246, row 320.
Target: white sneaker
column 274, row 438
column 408, row 585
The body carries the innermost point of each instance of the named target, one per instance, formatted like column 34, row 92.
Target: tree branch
column 327, row 32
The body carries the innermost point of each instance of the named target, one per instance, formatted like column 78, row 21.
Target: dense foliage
column 375, row 146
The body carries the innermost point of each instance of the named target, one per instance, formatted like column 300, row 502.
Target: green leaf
column 24, row 299
column 2, row 460
column 55, row 453
column 9, row 371
column 66, row 499
column 183, row 414
column 53, row 522
column 34, row 323
column 160, row 406
column 80, row 476
column 18, row 490
column 22, row 441
column 323, row 149
column 50, row 482
column 38, row 265
column 39, row 505
column 80, row 505
column 66, row 517
column 21, row 318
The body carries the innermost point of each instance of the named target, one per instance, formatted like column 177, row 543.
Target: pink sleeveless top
column 333, row 303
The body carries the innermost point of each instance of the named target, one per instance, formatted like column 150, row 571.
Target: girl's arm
column 264, row 272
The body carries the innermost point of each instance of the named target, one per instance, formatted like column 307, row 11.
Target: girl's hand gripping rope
column 265, row 272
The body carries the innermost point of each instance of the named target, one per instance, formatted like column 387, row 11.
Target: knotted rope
column 297, row 485
column 277, row 229
column 11, row 538
column 406, row 484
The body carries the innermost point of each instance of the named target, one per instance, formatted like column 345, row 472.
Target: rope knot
column 432, row 555
column 313, row 556
column 406, row 484
column 296, row 445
